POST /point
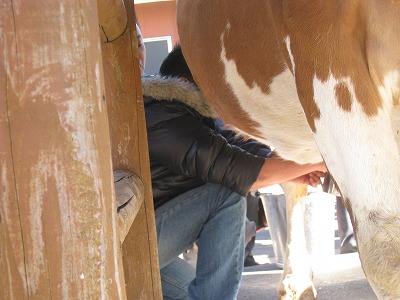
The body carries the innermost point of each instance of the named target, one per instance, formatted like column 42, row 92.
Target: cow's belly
column 396, row 125
column 279, row 114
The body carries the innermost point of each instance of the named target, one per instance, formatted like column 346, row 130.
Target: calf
column 313, row 79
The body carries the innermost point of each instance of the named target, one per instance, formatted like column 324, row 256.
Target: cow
column 314, row 80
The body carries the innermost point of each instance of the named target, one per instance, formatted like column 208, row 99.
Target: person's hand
column 313, row 178
column 277, row 170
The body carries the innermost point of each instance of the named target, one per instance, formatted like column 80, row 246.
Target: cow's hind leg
column 297, row 274
column 361, row 153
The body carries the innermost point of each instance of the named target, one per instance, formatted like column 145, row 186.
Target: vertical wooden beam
column 130, row 151
column 112, row 19
column 13, row 283
column 58, row 225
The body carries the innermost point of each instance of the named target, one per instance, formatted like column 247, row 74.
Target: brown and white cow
column 310, row 77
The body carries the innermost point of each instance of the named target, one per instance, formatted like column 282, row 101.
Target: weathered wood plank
column 129, row 191
column 130, row 152
column 57, row 199
column 12, row 269
column 112, row 19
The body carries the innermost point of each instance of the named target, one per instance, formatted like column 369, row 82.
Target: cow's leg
column 297, row 274
column 361, row 153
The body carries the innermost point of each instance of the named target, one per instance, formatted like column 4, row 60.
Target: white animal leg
column 297, row 275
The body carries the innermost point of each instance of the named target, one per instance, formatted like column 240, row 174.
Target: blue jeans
column 214, row 217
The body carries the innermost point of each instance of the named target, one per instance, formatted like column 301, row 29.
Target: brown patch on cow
column 258, row 61
column 328, row 38
column 308, row 293
column 343, row 96
column 306, row 95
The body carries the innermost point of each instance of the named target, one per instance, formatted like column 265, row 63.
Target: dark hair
column 174, row 65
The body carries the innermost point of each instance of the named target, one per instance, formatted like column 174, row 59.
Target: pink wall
column 158, row 19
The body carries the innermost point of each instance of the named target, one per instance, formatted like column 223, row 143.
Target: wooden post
column 130, row 151
column 112, row 19
column 58, row 226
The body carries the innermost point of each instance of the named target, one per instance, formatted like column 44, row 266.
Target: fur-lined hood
column 174, row 89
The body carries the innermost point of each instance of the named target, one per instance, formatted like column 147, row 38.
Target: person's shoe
column 349, row 245
column 249, row 261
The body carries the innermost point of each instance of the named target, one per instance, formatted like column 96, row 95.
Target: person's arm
column 276, row 170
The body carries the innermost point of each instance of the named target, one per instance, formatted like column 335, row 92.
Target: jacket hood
column 174, row 89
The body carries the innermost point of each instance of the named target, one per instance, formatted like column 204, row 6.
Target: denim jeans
column 213, row 216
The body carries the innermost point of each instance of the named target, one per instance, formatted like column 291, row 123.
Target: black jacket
column 188, row 148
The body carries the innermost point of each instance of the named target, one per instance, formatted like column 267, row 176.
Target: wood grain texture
column 129, row 191
column 112, row 19
column 130, row 152
column 59, row 235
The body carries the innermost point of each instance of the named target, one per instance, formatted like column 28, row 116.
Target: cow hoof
column 297, row 288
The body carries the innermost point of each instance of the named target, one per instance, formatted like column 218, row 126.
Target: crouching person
column 201, row 173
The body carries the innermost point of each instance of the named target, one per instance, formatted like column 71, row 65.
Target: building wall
column 158, row 19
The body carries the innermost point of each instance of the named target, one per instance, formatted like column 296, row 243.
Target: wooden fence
column 71, row 113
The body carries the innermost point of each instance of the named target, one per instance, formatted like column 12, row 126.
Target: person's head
column 142, row 49
column 174, row 65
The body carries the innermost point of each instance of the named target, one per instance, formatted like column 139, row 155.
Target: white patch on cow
column 360, row 150
column 363, row 157
column 390, row 93
column 390, row 89
column 287, row 42
column 396, row 124
column 285, row 129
